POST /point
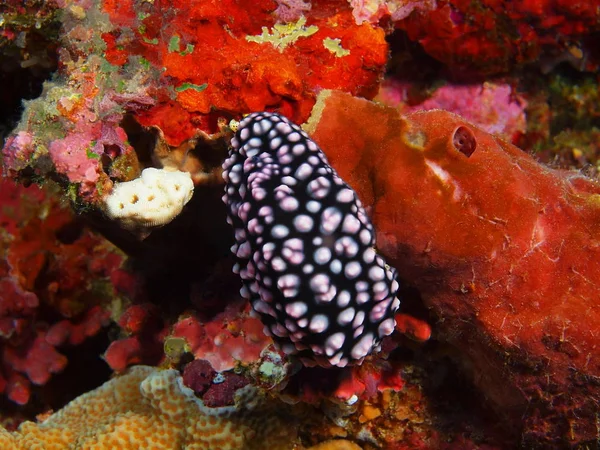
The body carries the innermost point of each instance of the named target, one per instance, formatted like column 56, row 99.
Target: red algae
column 220, row 56
column 494, row 36
column 503, row 250
column 51, row 294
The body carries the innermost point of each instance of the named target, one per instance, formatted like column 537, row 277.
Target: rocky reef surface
column 464, row 139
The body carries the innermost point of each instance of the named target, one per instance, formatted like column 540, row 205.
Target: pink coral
column 494, row 107
column 74, row 156
column 228, row 338
column 18, row 150
column 39, row 360
column 291, row 10
column 75, row 332
column 16, row 305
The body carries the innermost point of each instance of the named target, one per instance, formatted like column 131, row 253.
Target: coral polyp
column 305, row 246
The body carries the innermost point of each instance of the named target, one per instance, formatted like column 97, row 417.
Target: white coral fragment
column 152, row 200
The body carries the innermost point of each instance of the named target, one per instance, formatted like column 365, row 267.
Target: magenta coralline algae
column 18, row 149
column 68, row 158
column 494, row 107
column 305, row 246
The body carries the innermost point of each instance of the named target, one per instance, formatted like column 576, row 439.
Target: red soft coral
column 51, row 292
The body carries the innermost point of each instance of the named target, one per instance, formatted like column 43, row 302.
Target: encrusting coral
column 149, row 408
column 140, row 78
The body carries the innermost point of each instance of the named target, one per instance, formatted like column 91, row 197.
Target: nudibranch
column 305, row 246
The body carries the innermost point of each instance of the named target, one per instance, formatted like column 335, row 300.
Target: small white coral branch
column 152, row 200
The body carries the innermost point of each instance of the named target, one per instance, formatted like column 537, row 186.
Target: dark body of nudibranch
column 304, row 246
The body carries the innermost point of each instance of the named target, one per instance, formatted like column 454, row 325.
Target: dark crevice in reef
column 457, row 404
column 27, row 61
column 143, row 140
column 85, row 371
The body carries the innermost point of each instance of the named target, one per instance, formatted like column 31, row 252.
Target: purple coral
column 198, row 375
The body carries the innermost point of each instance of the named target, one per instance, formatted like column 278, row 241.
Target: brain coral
column 149, row 408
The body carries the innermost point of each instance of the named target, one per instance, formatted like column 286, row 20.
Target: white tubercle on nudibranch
column 305, row 246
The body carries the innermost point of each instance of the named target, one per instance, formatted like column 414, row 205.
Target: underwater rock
column 504, row 251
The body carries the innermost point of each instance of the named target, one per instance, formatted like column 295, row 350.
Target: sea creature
column 305, row 246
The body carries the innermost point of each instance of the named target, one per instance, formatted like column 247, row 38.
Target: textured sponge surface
column 153, row 199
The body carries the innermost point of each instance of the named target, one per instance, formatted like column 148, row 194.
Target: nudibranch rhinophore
column 305, row 246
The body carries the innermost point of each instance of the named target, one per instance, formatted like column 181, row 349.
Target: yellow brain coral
column 151, row 409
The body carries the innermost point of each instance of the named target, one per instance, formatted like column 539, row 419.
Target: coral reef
column 507, row 260
column 150, row 408
column 375, row 10
column 141, row 80
column 52, row 294
column 491, row 37
column 496, row 108
column 229, row 338
column 494, row 343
